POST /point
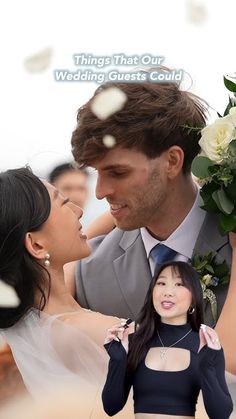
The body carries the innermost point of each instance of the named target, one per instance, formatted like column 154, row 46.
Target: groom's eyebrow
column 116, row 166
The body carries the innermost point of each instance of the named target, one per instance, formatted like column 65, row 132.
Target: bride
column 54, row 341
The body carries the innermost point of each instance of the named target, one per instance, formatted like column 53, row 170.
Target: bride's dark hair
column 24, row 206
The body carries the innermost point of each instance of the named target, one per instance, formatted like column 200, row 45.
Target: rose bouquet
column 216, row 165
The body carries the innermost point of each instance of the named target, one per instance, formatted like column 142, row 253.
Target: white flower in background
column 216, row 138
column 109, row 141
column 8, row 296
column 108, row 102
column 232, row 115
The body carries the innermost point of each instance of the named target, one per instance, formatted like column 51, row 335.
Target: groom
column 146, row 179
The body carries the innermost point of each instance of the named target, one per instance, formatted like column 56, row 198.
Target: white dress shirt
column 183, row 239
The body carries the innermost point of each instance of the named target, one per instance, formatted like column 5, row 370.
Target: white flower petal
column 39, row 61
column 8, row 296
column 196, row 11
column 109, row 141
column 232, row 115
column 108, row 102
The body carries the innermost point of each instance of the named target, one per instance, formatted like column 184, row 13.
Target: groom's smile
column 133, row 185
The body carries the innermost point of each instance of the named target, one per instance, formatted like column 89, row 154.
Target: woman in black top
column 170, row 357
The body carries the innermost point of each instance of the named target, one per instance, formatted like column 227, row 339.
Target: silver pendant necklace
column 164, row 349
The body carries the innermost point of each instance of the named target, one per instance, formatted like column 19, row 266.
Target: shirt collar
column 183, row 239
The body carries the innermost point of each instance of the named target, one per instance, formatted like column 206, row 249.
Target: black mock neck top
column 169, row 392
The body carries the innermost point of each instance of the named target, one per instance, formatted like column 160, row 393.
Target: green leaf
column 200, row 166
column 208, row 189
column 231, row 190
column 202, row 264
column 206, row 194
column 221, row 270
column 195, row 260
column 222, row 201
column 232, row 146
column 227, row 109
column 227, row 223
column 209, row 269
column 213, row 170
column 209, row 256
column 230, row 85
column 224, row 280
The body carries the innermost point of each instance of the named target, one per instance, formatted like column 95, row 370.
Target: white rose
column 232, row 115
column 216, row 138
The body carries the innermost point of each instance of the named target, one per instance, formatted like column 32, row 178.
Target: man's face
column 134, row 186
column 74, row 185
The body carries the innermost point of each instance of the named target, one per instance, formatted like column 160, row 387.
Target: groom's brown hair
column 154, row 118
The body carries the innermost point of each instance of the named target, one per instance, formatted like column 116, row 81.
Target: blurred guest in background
column 71, row 182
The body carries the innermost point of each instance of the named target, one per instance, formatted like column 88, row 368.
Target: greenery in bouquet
column 216, row 164
column 211, row 274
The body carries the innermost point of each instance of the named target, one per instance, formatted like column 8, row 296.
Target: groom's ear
column 34, row 246
column 175, row 161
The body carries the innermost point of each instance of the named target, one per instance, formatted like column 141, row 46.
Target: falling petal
column 109, row 141
column 39, row 61
column 108, row 102
column 196, row 11
column 8, row 296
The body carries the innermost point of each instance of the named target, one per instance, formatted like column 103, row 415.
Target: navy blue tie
column 162, row 253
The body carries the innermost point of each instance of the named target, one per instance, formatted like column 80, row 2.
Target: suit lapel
column 209, row 238
column 132, row 271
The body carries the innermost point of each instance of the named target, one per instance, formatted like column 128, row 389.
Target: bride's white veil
column 52, row 355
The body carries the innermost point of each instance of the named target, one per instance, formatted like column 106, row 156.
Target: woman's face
column 171, row 298
column 62, row 231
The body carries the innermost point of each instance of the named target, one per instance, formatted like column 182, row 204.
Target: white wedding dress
column 52, row 355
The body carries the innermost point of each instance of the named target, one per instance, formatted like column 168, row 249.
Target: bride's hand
column 232, row 240
column 209, row 337
column 119, row 333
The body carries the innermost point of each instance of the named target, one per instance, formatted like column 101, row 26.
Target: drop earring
column 191, row 310
column 46, row 260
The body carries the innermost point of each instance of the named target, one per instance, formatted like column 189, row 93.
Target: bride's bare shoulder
column 87, row 317
column 92, row 323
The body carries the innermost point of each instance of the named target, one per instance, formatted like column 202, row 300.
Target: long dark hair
column 148, row 320
column 24, row 206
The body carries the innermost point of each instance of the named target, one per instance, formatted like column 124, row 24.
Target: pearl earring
column 46, row 260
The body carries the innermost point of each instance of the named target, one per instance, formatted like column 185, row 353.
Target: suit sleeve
column 79, row 286
column 118, row 383
column 216, row 396
column 81, row 274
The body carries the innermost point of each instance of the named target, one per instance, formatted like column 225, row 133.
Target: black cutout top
column 169, row 392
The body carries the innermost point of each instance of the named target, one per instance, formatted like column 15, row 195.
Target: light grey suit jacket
column 114, row 280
